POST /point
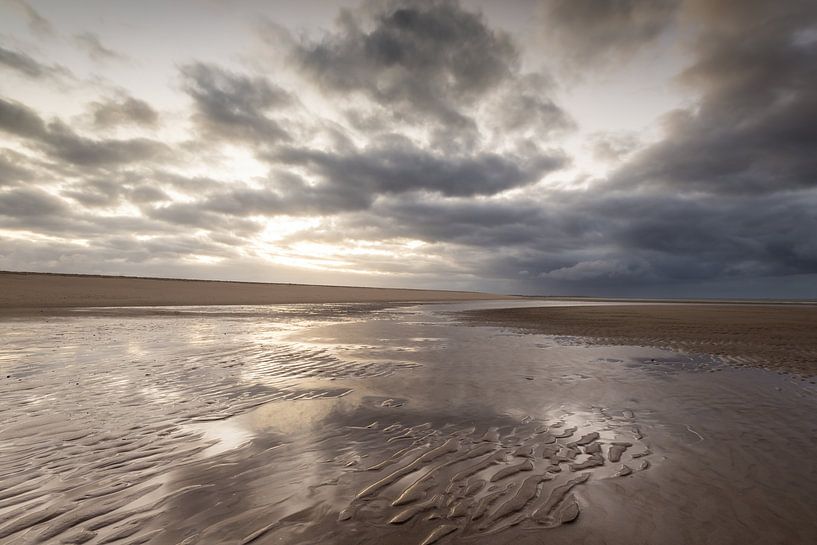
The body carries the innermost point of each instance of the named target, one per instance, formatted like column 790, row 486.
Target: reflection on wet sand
column 292, row 424
column 477, row 483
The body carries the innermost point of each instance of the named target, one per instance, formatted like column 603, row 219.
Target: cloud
column 593, row 32
column 419, row 148
column 612, row 147
column 113, row 190
column 419, row 61
column 11, row 170
column 17, row 119
column 397, row 166
column 753, row 129
column 28, row 66
column 70, row 147
column 123, row 110
column 154, row 256
column 589, row 240
column 436, row 70
column 352, row 181
column 29, row 202
column 38, row 24
column 617, row 270
column 231, row 105
column 60, row 141
column 91, row 44
column 21, row 62
column 181, row 214
column 525, row 107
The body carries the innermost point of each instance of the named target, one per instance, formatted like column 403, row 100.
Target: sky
column 658, row 148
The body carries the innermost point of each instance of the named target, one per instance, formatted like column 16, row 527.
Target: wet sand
column 775, row 336
column 351, row 424
column 36, row 292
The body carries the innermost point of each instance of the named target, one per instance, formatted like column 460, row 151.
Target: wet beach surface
column 779, row 336
column 362, row 424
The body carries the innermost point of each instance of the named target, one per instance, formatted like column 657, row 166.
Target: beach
column 406, row 272
column 19, row 291
column 347, row 423
column 777, row 336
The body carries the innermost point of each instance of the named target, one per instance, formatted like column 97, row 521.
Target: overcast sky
column 616, row 147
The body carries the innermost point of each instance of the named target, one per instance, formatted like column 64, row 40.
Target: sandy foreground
column 778, row 336
column 49, row 291
column 399, row 424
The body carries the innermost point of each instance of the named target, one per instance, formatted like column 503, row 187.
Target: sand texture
column 364, row 424
column 782, row 337
column 34, row 290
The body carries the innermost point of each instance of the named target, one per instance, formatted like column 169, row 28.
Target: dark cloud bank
column 445, row 138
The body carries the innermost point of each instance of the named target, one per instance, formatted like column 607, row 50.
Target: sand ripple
column 96, row 413
column 482, row 482
column 401, row 427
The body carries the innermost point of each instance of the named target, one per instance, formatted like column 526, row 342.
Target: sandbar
column 776, row 336
column 22, row 290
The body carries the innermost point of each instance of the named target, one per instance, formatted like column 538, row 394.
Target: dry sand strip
column 778, row 336
column 54, row 291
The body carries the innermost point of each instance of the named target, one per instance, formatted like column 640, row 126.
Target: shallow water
column 353, row 424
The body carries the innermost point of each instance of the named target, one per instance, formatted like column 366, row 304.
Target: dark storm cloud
column 27, row 65
column 754, row 129
column 442, row 137
column 123, row 110
column 744, row 235
column 61, row 142
column 232, row 105
column 430, row 65
column 419, row 59
column 460, row 221
column 613, row 238
column 728, row 193
column 598, row 31
column 91, row 44
column 398, row 166
column 607, row 236
column 353, row 180
column 290, row 195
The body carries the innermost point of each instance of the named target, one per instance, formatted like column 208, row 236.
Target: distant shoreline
column 251, row 282
column 671, row 300
column 32, row 290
